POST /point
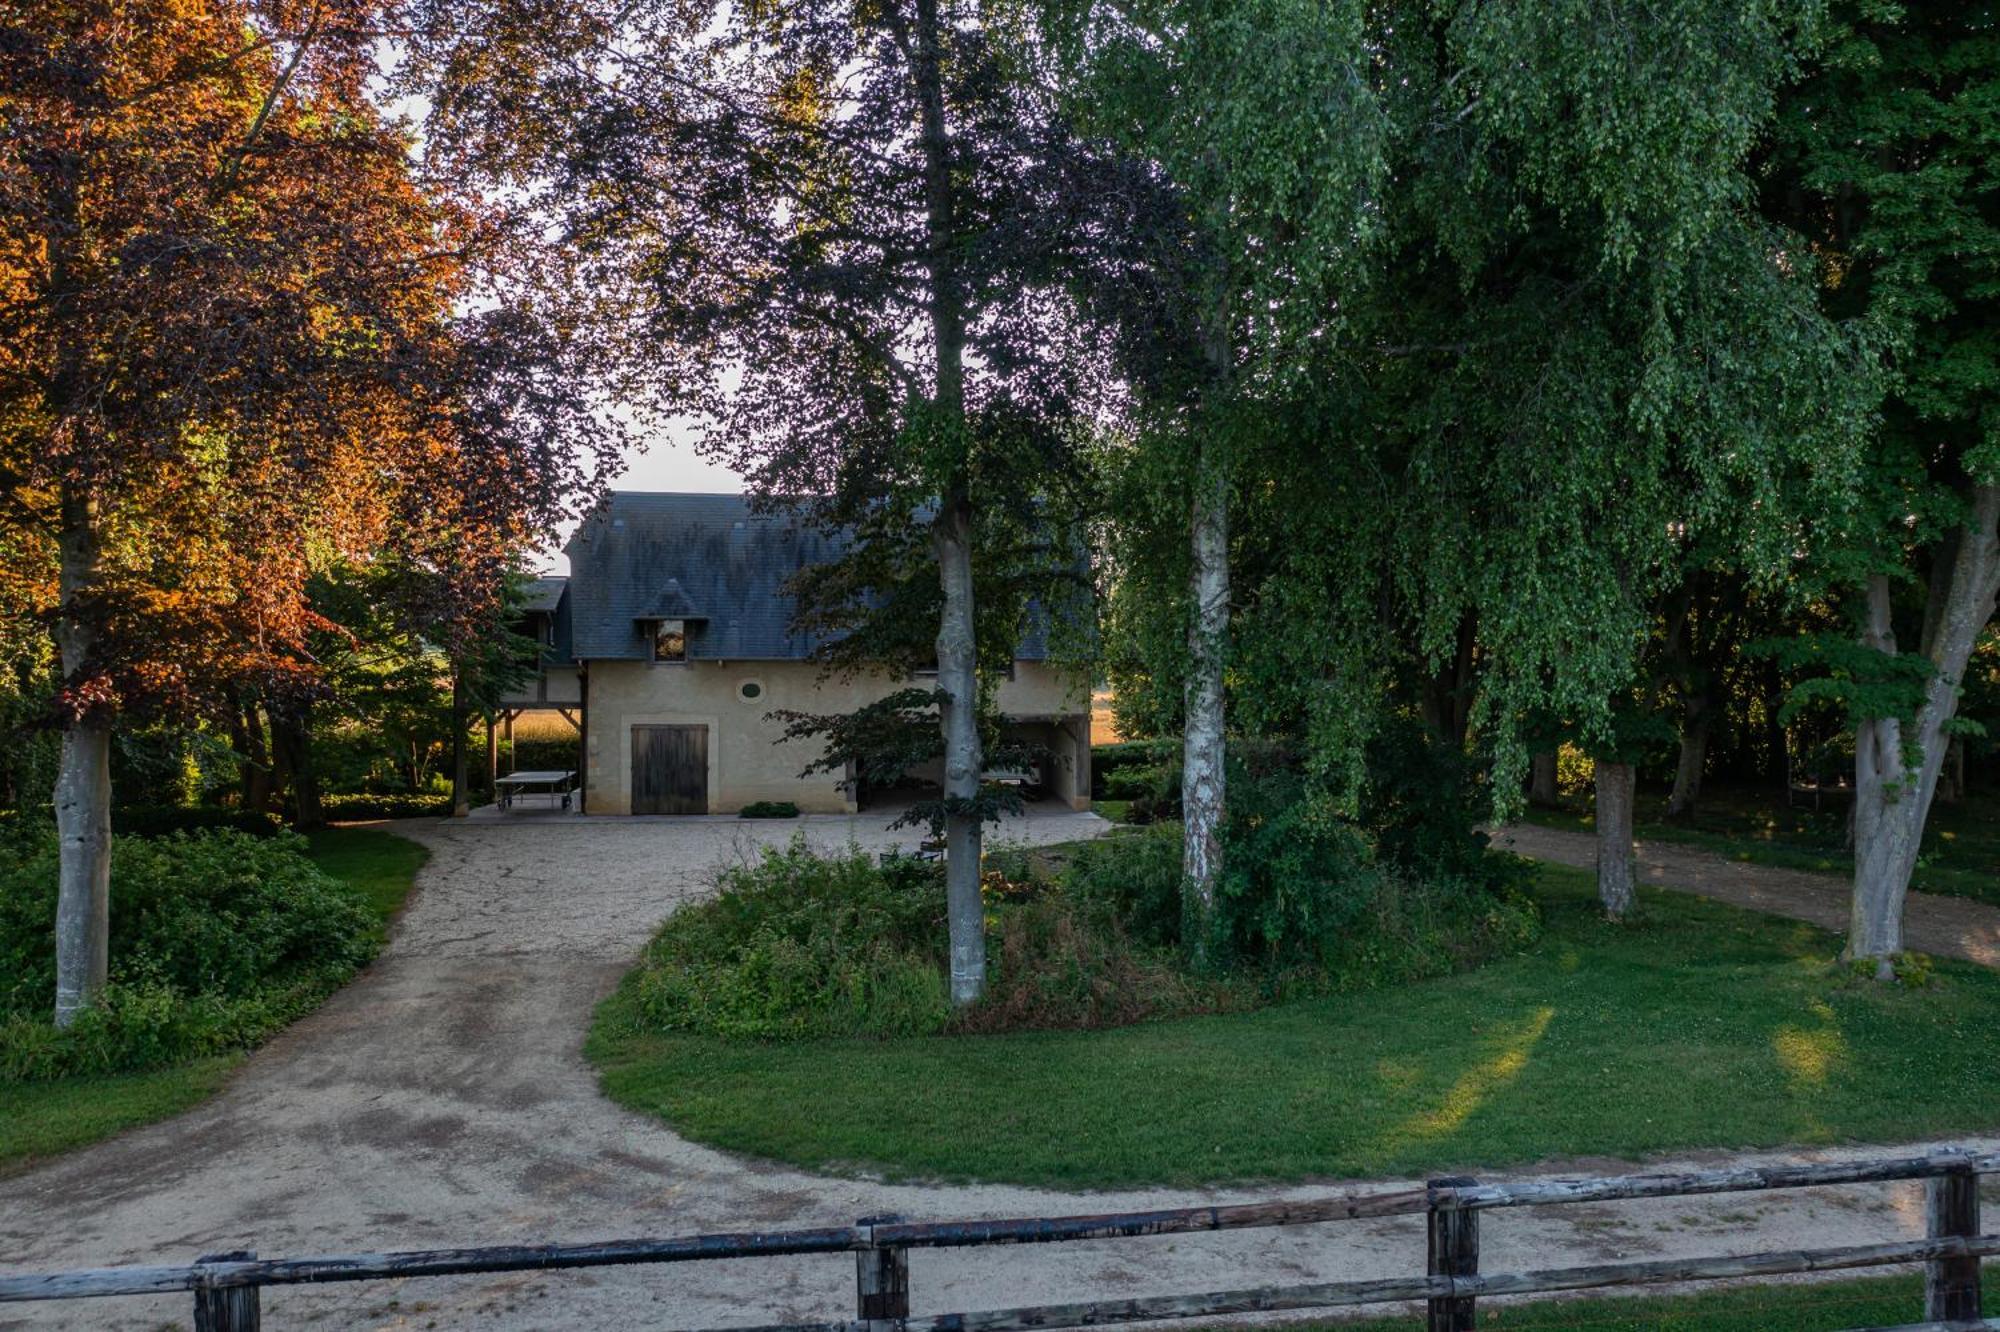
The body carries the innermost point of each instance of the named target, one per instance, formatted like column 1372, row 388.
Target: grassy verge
column 1704, row 1026
column 1815, row 1307
column 382, row 865
column 1960, row 858
column 40, row 1119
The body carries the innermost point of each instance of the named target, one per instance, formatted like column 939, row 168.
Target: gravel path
column 1944, row 926
column 442, row 1099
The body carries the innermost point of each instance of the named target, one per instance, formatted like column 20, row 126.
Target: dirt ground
column 442, row 1099
column 1942, row 926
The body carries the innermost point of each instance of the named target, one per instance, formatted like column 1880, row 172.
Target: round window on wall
column 750, row 691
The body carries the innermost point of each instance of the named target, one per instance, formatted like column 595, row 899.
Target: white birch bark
column 83, row 788
column 1896, row 766
column 1616, row 783
column 1202, row 752
column 958, row 681
column 951, row 533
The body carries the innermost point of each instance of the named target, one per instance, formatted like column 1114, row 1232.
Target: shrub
column 217, row 938
column 159, row 820
column 1108, row 760
column 1136, row 877
column 799, row 944
column 1310, row 901
column 362, row 806
column 547, row 755
column 803, row 945
column 1057, row 961
column 770, row 809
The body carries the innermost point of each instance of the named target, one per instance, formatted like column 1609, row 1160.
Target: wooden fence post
column 1454, row 1251
column 227, row 1308
column 1951, row 1285
column 881, row 1278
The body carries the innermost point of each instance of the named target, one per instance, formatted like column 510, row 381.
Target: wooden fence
column 226, row 1286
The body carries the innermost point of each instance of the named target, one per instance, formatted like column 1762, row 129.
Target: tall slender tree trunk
column 246, row 737
column 291, row 742
column 1203, row 753
column 958, row 714
column 1777, row 753
column 1616, row 784
column 83, row 779
column 1445, row 697
column 1892, row 795
column 1542, row 788
column 951, row 531
column 1696, row 724
column 461, row 783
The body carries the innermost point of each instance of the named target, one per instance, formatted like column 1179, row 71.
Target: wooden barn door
column 670, row 770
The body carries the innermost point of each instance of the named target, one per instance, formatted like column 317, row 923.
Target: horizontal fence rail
column 225, row 1286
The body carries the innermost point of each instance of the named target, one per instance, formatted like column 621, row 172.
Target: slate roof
column 543, row 594
column 705, row 559
column 549, row 595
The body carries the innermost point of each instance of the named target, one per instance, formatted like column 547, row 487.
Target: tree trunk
column 291, row 742
column 958, row 715
column 1615, row 788
column 1951, row 778
column 1203, row 753
column 83, row 779
column 1542, row 788
column 951, row 532
column 461, row 787
column 1777, row 753
column 1695, row 728
column 246, row 737
column 1892, row 798
column 1445, row 695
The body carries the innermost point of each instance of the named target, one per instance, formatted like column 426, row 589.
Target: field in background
column 1103, row 726
column 543, row 726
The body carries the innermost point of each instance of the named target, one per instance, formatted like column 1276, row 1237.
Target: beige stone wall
column 748, row 757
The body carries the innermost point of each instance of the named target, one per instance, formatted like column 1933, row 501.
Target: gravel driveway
column 442, row 1099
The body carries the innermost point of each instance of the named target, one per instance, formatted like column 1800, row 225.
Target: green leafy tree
column 1264, row 123
column 1889, row 159
column 831, row 232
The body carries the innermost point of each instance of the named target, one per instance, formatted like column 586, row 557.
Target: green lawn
column 1703, row 1027
column 1961, row 853
column 381, row 864
column 39, row 1119
column 1816, row 1307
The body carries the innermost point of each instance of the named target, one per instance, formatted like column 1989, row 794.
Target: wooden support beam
column 1453, row 1251
column 227, row 1308
column 881, row 1276
column 1951, row 1285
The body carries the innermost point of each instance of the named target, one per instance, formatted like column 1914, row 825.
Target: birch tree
column 1891, row 160
column 1584, row 359
column 1262, row 119
column 830, row 233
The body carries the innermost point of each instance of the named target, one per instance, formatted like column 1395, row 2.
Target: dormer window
column 670, row 640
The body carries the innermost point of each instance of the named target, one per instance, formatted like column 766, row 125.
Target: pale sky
column 672, row 464
column 668, row 463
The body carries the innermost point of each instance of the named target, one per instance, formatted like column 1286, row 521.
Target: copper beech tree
column 230, row 348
